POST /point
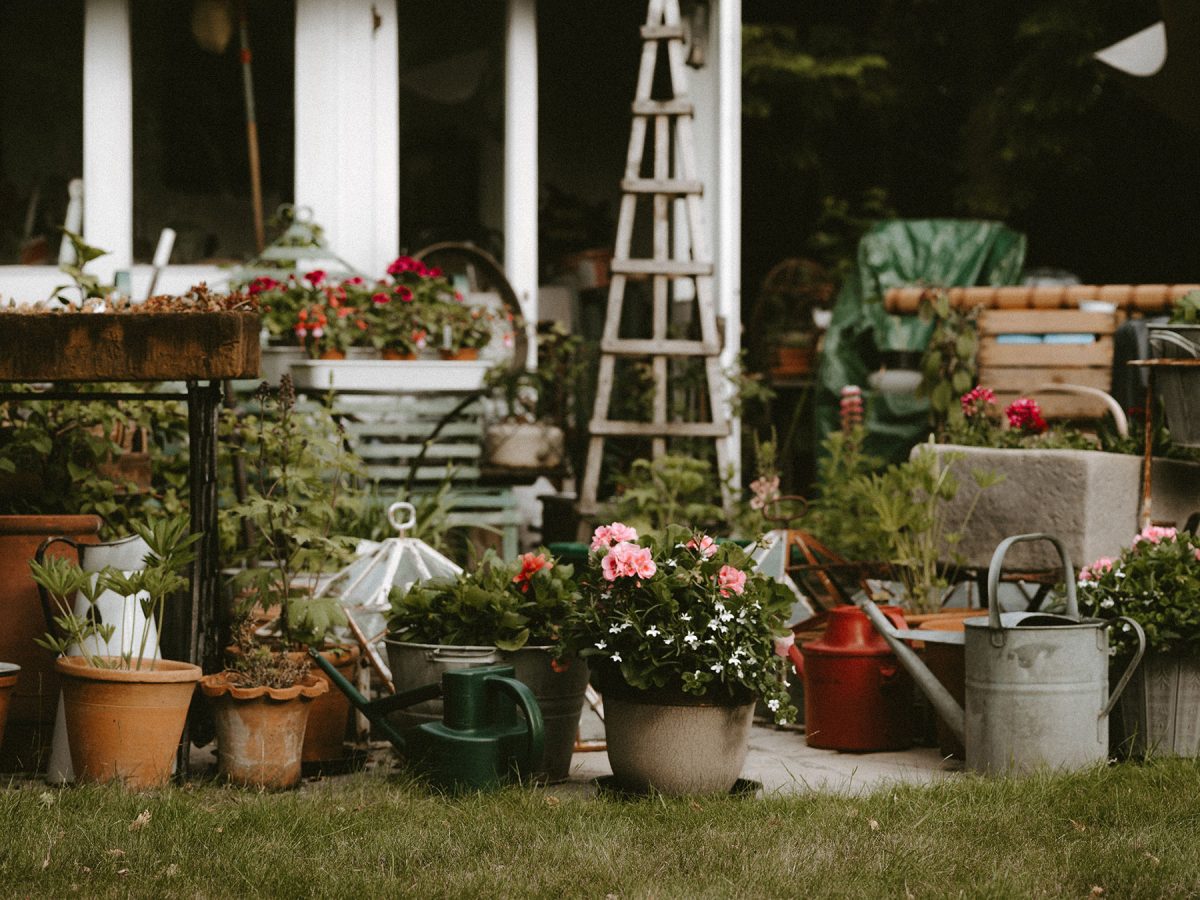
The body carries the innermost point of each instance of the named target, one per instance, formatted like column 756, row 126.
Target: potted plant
column 297, row 488
column 536, row 404
column 1156, row 582
column 465, row 329
column 1180, row 387
column 125, row 714
column 795, row 351
column 398, row 325
column 511, row 612
column 680, row 632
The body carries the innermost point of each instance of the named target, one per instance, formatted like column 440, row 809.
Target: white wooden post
column 347, row 130
column 521, row 160
column 728, row 257
column 108, row 135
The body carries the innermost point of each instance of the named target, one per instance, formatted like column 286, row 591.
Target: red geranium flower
column 531, row 564
column 315, row 277
column 1024, row 415
column 260, row 284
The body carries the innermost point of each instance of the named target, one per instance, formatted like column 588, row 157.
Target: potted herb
column 1156, row 582
column 124, row 714
column 681, row 634
column 511, row 612
column 297, row 489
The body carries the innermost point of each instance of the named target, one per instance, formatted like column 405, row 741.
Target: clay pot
column 394, row 354
column 793, row 361
column 8, row 681
column 260, row 730
column 466, row 353
column 35, row 699
column 947, row 662
column 329, row 719
column 332, row 354
column 124, row 725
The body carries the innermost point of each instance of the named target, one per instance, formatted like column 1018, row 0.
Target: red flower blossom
column 531, row 564
column 976, row 401
column 380, row 298
column 1024, row 415
column 402, row 264
column 260, row 284
column 315, row 277
column 357, row 279
column 404, row 293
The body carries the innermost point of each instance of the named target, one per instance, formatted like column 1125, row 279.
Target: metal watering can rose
column 1037, row 684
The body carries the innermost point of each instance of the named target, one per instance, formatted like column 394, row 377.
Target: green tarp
column 899, row 253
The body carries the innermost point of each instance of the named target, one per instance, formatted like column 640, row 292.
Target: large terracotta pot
column 325, row 737
column 947, row 662
column 124, row 725
column 465, row 353
column 675, row 743
column 260, row 730
column 35, row 698
column 9, row 674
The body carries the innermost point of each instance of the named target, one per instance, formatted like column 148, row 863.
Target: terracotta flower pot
column 260, row 730
column 394, row 354
column 466, row 353
column 675, row 743
column 947, row 662
column 332, row 354
column 8, row 681
column 35, row 699
column 124, row 725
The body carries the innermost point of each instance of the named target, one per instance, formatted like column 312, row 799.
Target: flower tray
column 415, row 376
column 128, row 346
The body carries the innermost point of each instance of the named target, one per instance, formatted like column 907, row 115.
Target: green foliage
column 1187, row 309
column 170, row 553
column 254, row 664
column 88, row 285
column 948, row 366
column 697, row 617
column 548, row 393
column 298, row 476
column 842, row 515
column 1156, row 582
column 58, row 457
column 657, row 493
column 508, row 605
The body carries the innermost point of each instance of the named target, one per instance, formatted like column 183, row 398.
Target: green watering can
column 480, row 744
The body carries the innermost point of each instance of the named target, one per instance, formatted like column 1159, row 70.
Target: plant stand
column 199, row 349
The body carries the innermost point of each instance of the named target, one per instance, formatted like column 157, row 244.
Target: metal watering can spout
column 947, row 707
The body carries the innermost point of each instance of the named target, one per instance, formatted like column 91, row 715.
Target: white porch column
column 728, row 206
column 347, row 127
column 521, row 159
column 108, row 135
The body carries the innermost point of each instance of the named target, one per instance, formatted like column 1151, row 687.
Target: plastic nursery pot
column 260, row 730
column 124, row 725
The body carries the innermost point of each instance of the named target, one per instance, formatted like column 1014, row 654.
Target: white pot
column 523, row 445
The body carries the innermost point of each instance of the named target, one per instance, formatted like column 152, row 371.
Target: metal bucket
column 559, row 694
column 1179, row 387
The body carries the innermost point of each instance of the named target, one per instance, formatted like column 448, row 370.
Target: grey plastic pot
column 559, row 694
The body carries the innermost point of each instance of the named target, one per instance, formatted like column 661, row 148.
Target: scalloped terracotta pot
column 124, row 725
column 260, row 730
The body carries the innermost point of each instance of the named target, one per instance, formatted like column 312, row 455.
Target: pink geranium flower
column 626, row 560
column 607, row 535
column 976, row 401
column 731, row 581
column 1154, row 534
column 1096, row 569
column 707, row 547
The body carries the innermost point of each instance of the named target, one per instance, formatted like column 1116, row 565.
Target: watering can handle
column 39, row 557
column 535, row 746
column 993, row 582
column 1129, row 670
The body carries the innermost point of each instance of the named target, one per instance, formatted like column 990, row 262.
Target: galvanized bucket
column 559, row 694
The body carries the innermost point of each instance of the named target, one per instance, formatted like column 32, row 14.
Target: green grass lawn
column 1127, row 831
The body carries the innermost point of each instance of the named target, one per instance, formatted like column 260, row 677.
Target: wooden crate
column 1014, row 370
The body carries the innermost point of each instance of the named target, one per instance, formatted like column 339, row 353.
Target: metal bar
column 75, row 395
column 1148, row 453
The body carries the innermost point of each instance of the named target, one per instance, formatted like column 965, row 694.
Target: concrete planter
column 523, row 445
column 1086, row 498
column 675, row 743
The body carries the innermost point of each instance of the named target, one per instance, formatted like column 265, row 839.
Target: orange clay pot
column 8, row 681
column 260, row 730
column 34, row 702
column 393, row 354
column 332, row 354
column 466, row 353
column 124, row 725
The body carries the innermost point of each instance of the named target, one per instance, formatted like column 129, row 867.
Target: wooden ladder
column 663, row 26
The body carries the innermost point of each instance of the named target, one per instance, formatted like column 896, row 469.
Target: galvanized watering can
column 1037, row 684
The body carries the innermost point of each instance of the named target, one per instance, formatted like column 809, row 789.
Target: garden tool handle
column 1129, row 670
column 993, row 581
column 535, row 746
column 39, row 557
